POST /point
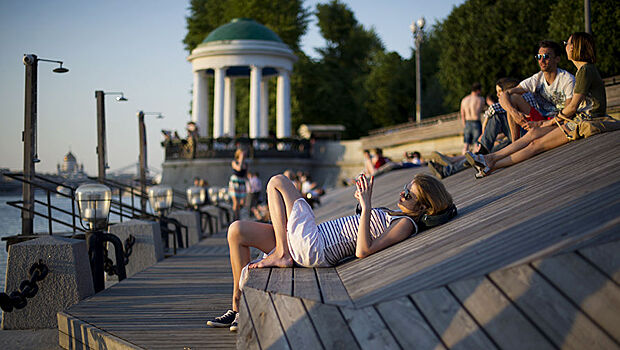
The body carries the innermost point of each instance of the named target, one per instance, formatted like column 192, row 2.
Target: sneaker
column 476, row 161
column 436, row 169
column 235, row 325
column 441, row 158
column 226, row 320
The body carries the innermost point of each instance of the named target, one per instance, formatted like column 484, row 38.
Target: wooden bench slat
column 305, row 284
column 258, row 278
column 596, row 295
column 606, row 258
column 332, row 289
column 407, row 324
column 564, row 325
column 497, row 315
column 280, row 281
column 368, row 328
column 330, row 325
column 453, row 324
column 266, row 324
column 296, row 322
column 246, row 337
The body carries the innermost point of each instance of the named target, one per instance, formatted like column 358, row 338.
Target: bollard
column 68, row 281
column 147, row 249
column 191, row 219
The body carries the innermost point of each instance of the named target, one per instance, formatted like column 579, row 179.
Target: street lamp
column 94, row 205
column 143, row 163
column 417, row 29
column 196, row 196
column 101, row 139
column 29, row 136
column 160, row 197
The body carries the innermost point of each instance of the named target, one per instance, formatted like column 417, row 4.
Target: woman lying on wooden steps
column 294, row 237
column 584, row 116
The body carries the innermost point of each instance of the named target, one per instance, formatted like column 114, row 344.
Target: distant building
column 70, row 169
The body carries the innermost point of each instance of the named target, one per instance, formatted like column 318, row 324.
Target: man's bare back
column 472, row 107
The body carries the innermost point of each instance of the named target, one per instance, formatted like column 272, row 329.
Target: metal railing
column 224, row 147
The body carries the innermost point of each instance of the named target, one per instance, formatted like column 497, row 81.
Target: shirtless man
column 472, row 107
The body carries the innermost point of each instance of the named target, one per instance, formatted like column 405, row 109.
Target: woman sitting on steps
column 294, row 237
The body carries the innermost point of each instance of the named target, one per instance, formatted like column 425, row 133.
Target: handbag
column 584, row 125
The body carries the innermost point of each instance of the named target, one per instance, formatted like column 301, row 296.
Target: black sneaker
column 226, row 320
column 436, row 169
column 235, row 325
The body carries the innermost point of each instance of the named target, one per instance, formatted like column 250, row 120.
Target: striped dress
column 340, row 235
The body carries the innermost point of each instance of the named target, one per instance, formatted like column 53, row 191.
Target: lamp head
column 121, row 98
column 60, row 69
column 421, row 22
column 196, row 196
column 160, row 197
column 94, row 205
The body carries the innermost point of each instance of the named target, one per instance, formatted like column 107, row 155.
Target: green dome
column 242, row 29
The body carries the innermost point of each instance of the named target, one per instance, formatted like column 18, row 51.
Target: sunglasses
column 542, row 57
column 406, row 193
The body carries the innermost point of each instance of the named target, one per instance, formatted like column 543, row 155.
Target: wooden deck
column 162, row 307
column 530, row 262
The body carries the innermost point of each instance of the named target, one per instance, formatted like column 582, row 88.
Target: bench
column 500, row 275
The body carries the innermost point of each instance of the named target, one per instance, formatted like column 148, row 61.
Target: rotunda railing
column 224, row 147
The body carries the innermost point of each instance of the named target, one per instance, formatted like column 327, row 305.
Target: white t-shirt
column 550, row 98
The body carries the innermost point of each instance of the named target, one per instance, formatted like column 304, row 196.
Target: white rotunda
column 240, row 48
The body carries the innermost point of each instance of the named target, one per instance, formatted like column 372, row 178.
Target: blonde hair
column 238, row 153
column 433, row 198
column 583, row 47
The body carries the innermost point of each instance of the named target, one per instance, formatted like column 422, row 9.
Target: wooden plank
column 597, row 296
column 258, row 278
column 281, row 281
column 296, row 322
column 407, row 324
column 606, row 258
column 501, row 320
column 266, row 324
column 554, row 315
column 368, row 328
column 330, row 325
column 451, row 321
column 332, row 289
column 246, row 337
column 305, row 284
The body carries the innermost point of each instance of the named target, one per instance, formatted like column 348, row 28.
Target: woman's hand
column 364, row 191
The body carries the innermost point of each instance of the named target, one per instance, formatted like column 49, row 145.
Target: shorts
column 236, row 186
column 473, row 129
column 304, row 240
column 535, row 116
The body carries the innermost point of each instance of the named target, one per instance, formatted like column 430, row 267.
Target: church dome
column 242, row 29
column 69, row 157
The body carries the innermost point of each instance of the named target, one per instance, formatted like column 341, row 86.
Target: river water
column 11, row 223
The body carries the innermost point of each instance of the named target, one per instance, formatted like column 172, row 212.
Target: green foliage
column 568, row 17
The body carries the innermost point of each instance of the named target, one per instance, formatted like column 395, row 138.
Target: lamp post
column 143, row 163
column 94, row 205
column 29, row 136
column 417, row 29
column 101, row 139
column 586, row 12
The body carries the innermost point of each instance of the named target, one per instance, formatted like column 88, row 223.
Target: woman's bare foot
column 273, row 260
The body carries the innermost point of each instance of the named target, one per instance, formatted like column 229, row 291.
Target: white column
column 200, row 102
column 264, row 108
column 229, row 106
column 255, row 79
column 218, row 102
column 283, row 105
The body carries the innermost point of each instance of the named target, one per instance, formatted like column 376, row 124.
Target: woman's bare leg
column 550, row 140
column 235, row 207
column 281, row 194
column 241, row 236
column 493, row 158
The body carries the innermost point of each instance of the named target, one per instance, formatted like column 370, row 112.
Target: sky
column 134, row 47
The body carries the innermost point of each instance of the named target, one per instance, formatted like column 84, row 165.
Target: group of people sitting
column 535, row 114
column 293, row 236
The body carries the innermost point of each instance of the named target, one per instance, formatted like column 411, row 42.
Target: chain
column 27, row 289
column 108, row 264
